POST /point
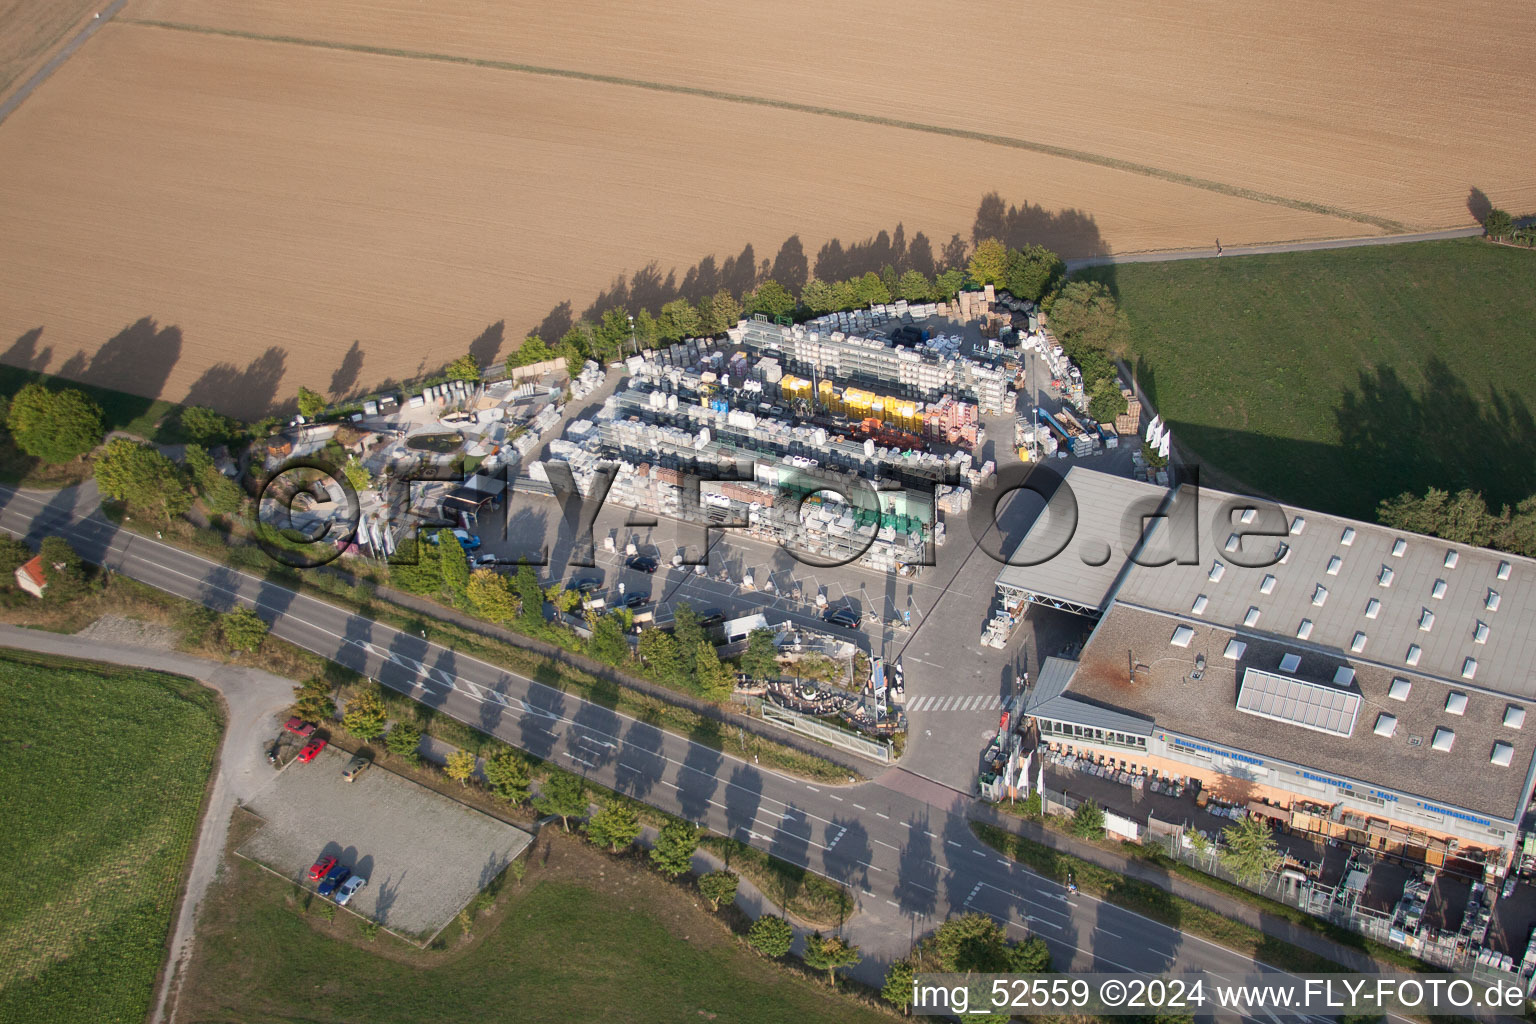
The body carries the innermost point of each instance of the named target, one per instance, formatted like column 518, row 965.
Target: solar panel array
column 1287, row 699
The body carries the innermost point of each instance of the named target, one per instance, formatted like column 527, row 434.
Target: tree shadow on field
column 344, row 377
column 1478, row 205
column 1424, row 437
column 487, row 346
column 247, row 394
column 1069, row 232
column 23, row 353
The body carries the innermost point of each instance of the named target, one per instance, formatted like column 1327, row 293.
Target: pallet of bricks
column 1129, row 422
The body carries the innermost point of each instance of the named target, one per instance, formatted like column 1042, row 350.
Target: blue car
column 333, row 881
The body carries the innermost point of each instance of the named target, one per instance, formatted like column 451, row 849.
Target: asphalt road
column 901, row 843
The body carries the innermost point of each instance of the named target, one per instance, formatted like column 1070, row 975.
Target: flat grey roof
column 1165, row 690
column 1332, row 573
column 1086, row 513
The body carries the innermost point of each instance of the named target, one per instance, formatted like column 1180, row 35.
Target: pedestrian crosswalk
column 952, row 702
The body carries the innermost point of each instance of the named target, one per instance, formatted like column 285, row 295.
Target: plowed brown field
column 1392, row 111
column 234, row 214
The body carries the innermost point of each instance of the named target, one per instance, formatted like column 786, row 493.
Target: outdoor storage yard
column 424, row 856
column 225, row 228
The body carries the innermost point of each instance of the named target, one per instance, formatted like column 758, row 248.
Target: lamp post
column 632, row 339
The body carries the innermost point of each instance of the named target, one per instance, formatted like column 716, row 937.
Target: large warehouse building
column 1349, row 680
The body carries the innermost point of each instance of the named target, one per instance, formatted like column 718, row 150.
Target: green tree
column 890, row 280
column 719, row 312
column 13, row 555
column 844, row 295
column 718, row 887
column 647, row 329
column 1033, row 808
column 817, row 297
column 675, row 843
column 530, row 596
column 1032, row 956
column 463, row 368
column 357, row 474
column 658, row 650
column 534, row 349
column 221, row 494
column 948, row 284
column 575, row 346
column 615, row 825
column 1032, row 272
column 204, row 426
column 55, row 426
column 490, row 597
column 608, row 643
column 139, row 476
column 1106, row 402
column 771, row 936
column 829, row 953
column 311, row 403
column 611, row 335
column 415, row 567
column 64, row 570
column 454, row 565
column 243, row 629
column 312, row 701
column 771, row 299
column 1251, row 851
column 897, row 989
column 1088, row 821
column 760, row 659
column 678, row 320
column 915, row 286
column 713, row 679
column 460, row 766
column 1083, row 315
column 1498, row 224
column 561, row 599
column 971, row 942
column 869, row 290
column 563, row 795
column 404, row 740
column 365, row 715
column 989, row 262
column 508, row 776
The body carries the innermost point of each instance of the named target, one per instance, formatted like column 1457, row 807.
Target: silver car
column 349, row 889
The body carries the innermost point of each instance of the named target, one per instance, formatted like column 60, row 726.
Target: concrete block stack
column 1129, row 422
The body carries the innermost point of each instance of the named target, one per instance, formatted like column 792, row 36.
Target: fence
column 831, row 735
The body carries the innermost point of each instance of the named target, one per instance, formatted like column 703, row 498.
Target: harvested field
column 223, row 229
column 1390, row 114
column 29, row 32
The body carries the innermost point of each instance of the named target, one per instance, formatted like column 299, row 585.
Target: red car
column 321, row 868
column 299, row 727
column 312, row 748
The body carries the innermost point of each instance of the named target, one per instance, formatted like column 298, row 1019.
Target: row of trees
column 148, row 482
column 1092, row 330
column 1464, row 517
column 1030, row 273
column 971, row 942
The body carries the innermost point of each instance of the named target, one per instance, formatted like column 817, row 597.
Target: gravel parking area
column 425, row 856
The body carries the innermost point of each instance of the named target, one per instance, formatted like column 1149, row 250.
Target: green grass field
column 104, row 773
column 1335, row 379
column 584, row 937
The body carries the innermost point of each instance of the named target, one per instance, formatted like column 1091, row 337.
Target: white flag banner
column 1165, row 445
column 1153, row 428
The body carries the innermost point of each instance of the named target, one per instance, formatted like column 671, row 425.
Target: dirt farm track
column 215, row 200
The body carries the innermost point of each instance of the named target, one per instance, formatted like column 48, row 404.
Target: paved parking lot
column 424, row 856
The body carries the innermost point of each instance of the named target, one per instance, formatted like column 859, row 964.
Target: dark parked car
column 711, row 617
column 643, row 563
column 334, row 880
column 845, row 617
column 637, row 600
column 586, row 584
